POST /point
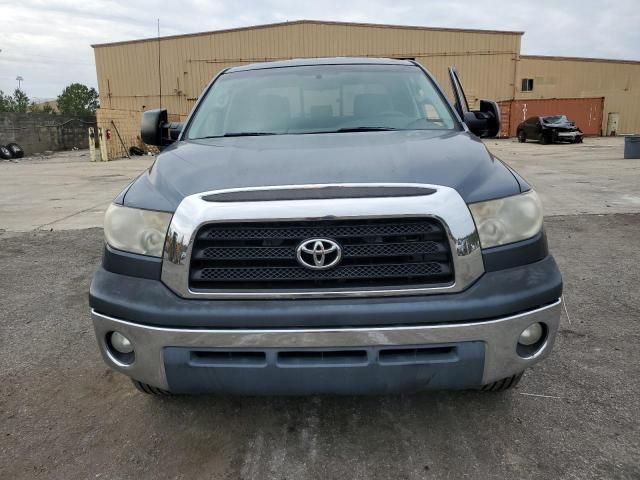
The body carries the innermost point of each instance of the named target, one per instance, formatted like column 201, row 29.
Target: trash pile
column 11, row 151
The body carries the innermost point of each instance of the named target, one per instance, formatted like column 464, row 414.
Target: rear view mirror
column 486, row 121
column 156, row 130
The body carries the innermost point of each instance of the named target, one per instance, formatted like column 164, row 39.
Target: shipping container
column 585, row 112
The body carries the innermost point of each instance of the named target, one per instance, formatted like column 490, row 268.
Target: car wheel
column 504, row 384
column 544, row 139
column 16, row 150
column 5, row 153
column 148, row 389
column 578, row 140
column 522, row 137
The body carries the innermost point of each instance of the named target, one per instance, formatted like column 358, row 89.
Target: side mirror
column 157, row 130
column 486, row 121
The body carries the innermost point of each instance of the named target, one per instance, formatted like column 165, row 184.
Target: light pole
column 19, row 79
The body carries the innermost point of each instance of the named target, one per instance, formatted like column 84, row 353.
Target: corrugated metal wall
column 128, row 71
column 128, row 80
column 556, row 77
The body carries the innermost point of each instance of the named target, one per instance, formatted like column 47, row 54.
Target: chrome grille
column 375, row 253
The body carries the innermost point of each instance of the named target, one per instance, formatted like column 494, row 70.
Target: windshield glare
column 320, row 99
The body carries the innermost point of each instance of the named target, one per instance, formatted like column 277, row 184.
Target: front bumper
column 459, row 355
column 568, row 135
column 496, row 294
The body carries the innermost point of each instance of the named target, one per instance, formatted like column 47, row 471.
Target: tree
column 78, row 99
column 19, row 102
column 4, row 102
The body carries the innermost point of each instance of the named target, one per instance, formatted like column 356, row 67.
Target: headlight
column 134, row 230
column 507, row 220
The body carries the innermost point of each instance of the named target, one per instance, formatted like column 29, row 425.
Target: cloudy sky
column 47, row 42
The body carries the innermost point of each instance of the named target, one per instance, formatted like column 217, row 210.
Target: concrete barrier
column 39, row 132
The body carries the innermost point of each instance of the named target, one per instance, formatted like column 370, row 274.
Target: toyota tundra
column 325, row 226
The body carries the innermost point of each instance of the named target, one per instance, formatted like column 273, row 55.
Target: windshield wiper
column 238, row 134
column 247, row 134
column 364, row 129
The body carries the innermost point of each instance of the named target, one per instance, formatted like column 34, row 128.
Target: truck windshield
column 321, row 99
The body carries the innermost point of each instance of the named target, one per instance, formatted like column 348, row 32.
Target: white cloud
column 48, row 42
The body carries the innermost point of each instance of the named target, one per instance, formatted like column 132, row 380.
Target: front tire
column 522, row 137
column 504, row 384
column 148, row 389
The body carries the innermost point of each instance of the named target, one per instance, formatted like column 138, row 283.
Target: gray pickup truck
column 325, row 226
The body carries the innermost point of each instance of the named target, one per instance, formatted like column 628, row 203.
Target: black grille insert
column 224, row 358
column 375, row 253
column 417, row 355
column 319, row 357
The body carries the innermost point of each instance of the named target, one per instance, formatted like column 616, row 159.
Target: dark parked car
column 325, row 226
column 549, row 129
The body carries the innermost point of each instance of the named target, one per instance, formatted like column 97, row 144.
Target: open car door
column 484, row 122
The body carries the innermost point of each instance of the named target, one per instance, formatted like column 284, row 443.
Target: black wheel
column 578, row 140
column 136, row 151
column 545, row 139
column 5, row 153
column 522, row 137
column 504, row 384
column 16, row 150
column 148, row 389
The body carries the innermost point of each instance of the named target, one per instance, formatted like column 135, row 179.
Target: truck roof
column 299, row 62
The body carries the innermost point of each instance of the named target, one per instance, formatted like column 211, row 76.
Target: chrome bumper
column 500, row 337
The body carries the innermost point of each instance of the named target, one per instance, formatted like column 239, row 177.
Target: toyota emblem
column 319, row 253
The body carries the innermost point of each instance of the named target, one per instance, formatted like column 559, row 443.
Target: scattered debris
column 564, row 304
column 136, row 151
column 542, row 396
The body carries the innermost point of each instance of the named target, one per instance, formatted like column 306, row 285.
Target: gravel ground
column 65, row 415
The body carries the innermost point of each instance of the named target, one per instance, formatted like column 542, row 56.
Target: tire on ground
column 148, row 389
column 504, row 384
column 5, row 153
column 16, row 150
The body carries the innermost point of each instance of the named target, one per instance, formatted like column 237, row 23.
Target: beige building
column 131, row 74
column 618, row 81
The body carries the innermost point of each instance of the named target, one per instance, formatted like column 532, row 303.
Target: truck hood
column 454, row 159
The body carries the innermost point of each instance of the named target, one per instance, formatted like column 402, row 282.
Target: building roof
column 314, row 22
column 300, row 62
column 577, row 59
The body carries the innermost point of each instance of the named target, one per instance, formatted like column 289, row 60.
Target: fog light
column 531, row 335
column 120, row 343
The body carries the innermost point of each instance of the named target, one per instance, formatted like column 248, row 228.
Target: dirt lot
column 64, row 415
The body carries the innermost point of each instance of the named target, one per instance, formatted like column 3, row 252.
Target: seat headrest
column 371, row 104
